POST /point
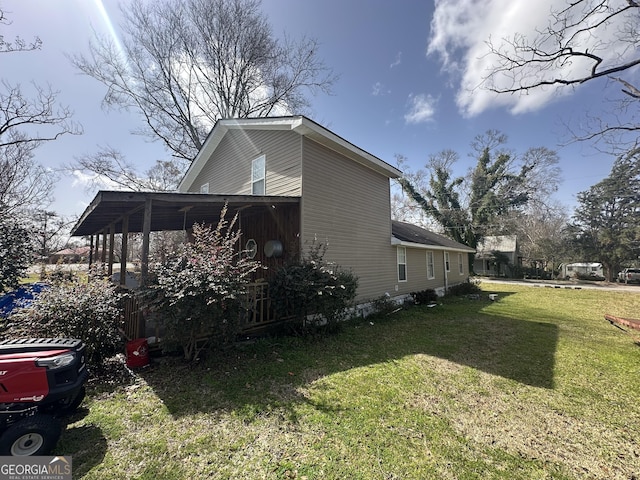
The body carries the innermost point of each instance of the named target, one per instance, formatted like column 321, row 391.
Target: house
column 344, row 201
column 70, row 255
column 497, row 255
column 292, row 183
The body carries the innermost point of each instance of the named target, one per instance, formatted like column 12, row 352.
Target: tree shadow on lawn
column 271, row 372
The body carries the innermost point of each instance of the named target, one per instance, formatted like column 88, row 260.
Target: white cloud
column 422, row 108
column 460, row 30
column 81, row 179
column 379, row 89
column 397, row 61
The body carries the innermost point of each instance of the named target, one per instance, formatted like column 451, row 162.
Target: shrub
column 384, row 304
column 425, row 297
column 313, row 291
column 89, row 311
column 16, row 251
column 466, row 288
column 197, row 293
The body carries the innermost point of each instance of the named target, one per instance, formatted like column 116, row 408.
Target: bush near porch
column 196, row 294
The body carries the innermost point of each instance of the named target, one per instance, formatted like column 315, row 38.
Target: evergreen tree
column 607, row 219
column 15, row 252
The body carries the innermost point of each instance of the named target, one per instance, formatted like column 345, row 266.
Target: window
column 258, row 176
column 402, row 264
column 460, row 264
column 446, row 261
column 204, row 188
column 431, row 267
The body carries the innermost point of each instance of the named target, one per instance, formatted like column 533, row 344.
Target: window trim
column 430, row 256
column 460, row 264
column 399, row 263
column 263, row 179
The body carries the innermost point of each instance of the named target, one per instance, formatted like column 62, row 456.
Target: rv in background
column 583, row 269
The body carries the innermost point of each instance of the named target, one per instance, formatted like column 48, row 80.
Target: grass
column 536, row 385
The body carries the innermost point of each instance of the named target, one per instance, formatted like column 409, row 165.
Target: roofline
column 424, row 246
column 298, row 124
column 187, row 199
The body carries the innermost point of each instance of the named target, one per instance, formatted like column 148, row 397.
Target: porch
column 270, row 228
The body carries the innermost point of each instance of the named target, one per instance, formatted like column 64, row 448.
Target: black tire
column 35, row 435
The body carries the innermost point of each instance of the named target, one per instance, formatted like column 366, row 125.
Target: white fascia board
column 316, row 132
column 210, row 144
column 396, row 242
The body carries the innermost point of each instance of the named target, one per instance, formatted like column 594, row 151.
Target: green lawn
column 535, row 385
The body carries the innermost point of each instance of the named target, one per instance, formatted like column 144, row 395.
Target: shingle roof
column 406, row 232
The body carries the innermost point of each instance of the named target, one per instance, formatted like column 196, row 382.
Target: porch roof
column 169, row 211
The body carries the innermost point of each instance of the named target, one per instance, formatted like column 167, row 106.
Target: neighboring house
column 70, row 255
column 497, row 255
column 294, row 183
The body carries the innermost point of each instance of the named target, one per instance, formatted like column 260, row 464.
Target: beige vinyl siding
column 229, row 171
column 346, row 207
column 417, row 271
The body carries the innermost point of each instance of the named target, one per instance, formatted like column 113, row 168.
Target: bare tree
column 18, row 44
column 184, row 64
column 24, row 184
column 586, row 40
column 109, row 167
column 541, row 231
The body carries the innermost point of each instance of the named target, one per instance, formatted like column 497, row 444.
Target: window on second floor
column 258, row 168
column 431, row 267
column 402, row 264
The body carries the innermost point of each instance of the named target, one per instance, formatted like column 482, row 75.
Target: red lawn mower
column 40, row 379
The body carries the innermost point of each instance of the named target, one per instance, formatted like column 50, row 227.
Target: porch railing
column 256, row 313
column 257, row 309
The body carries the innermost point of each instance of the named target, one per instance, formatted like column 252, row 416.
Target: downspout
column 446, row 273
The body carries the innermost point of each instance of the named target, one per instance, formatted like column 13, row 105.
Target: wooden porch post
column 103, row 256
column 90, row 250
column 146, row 229
column 123, row 253
column 112, row 235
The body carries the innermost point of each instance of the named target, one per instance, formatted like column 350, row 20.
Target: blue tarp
column 21, row 297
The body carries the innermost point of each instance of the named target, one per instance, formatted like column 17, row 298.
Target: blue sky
column 403, row 66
